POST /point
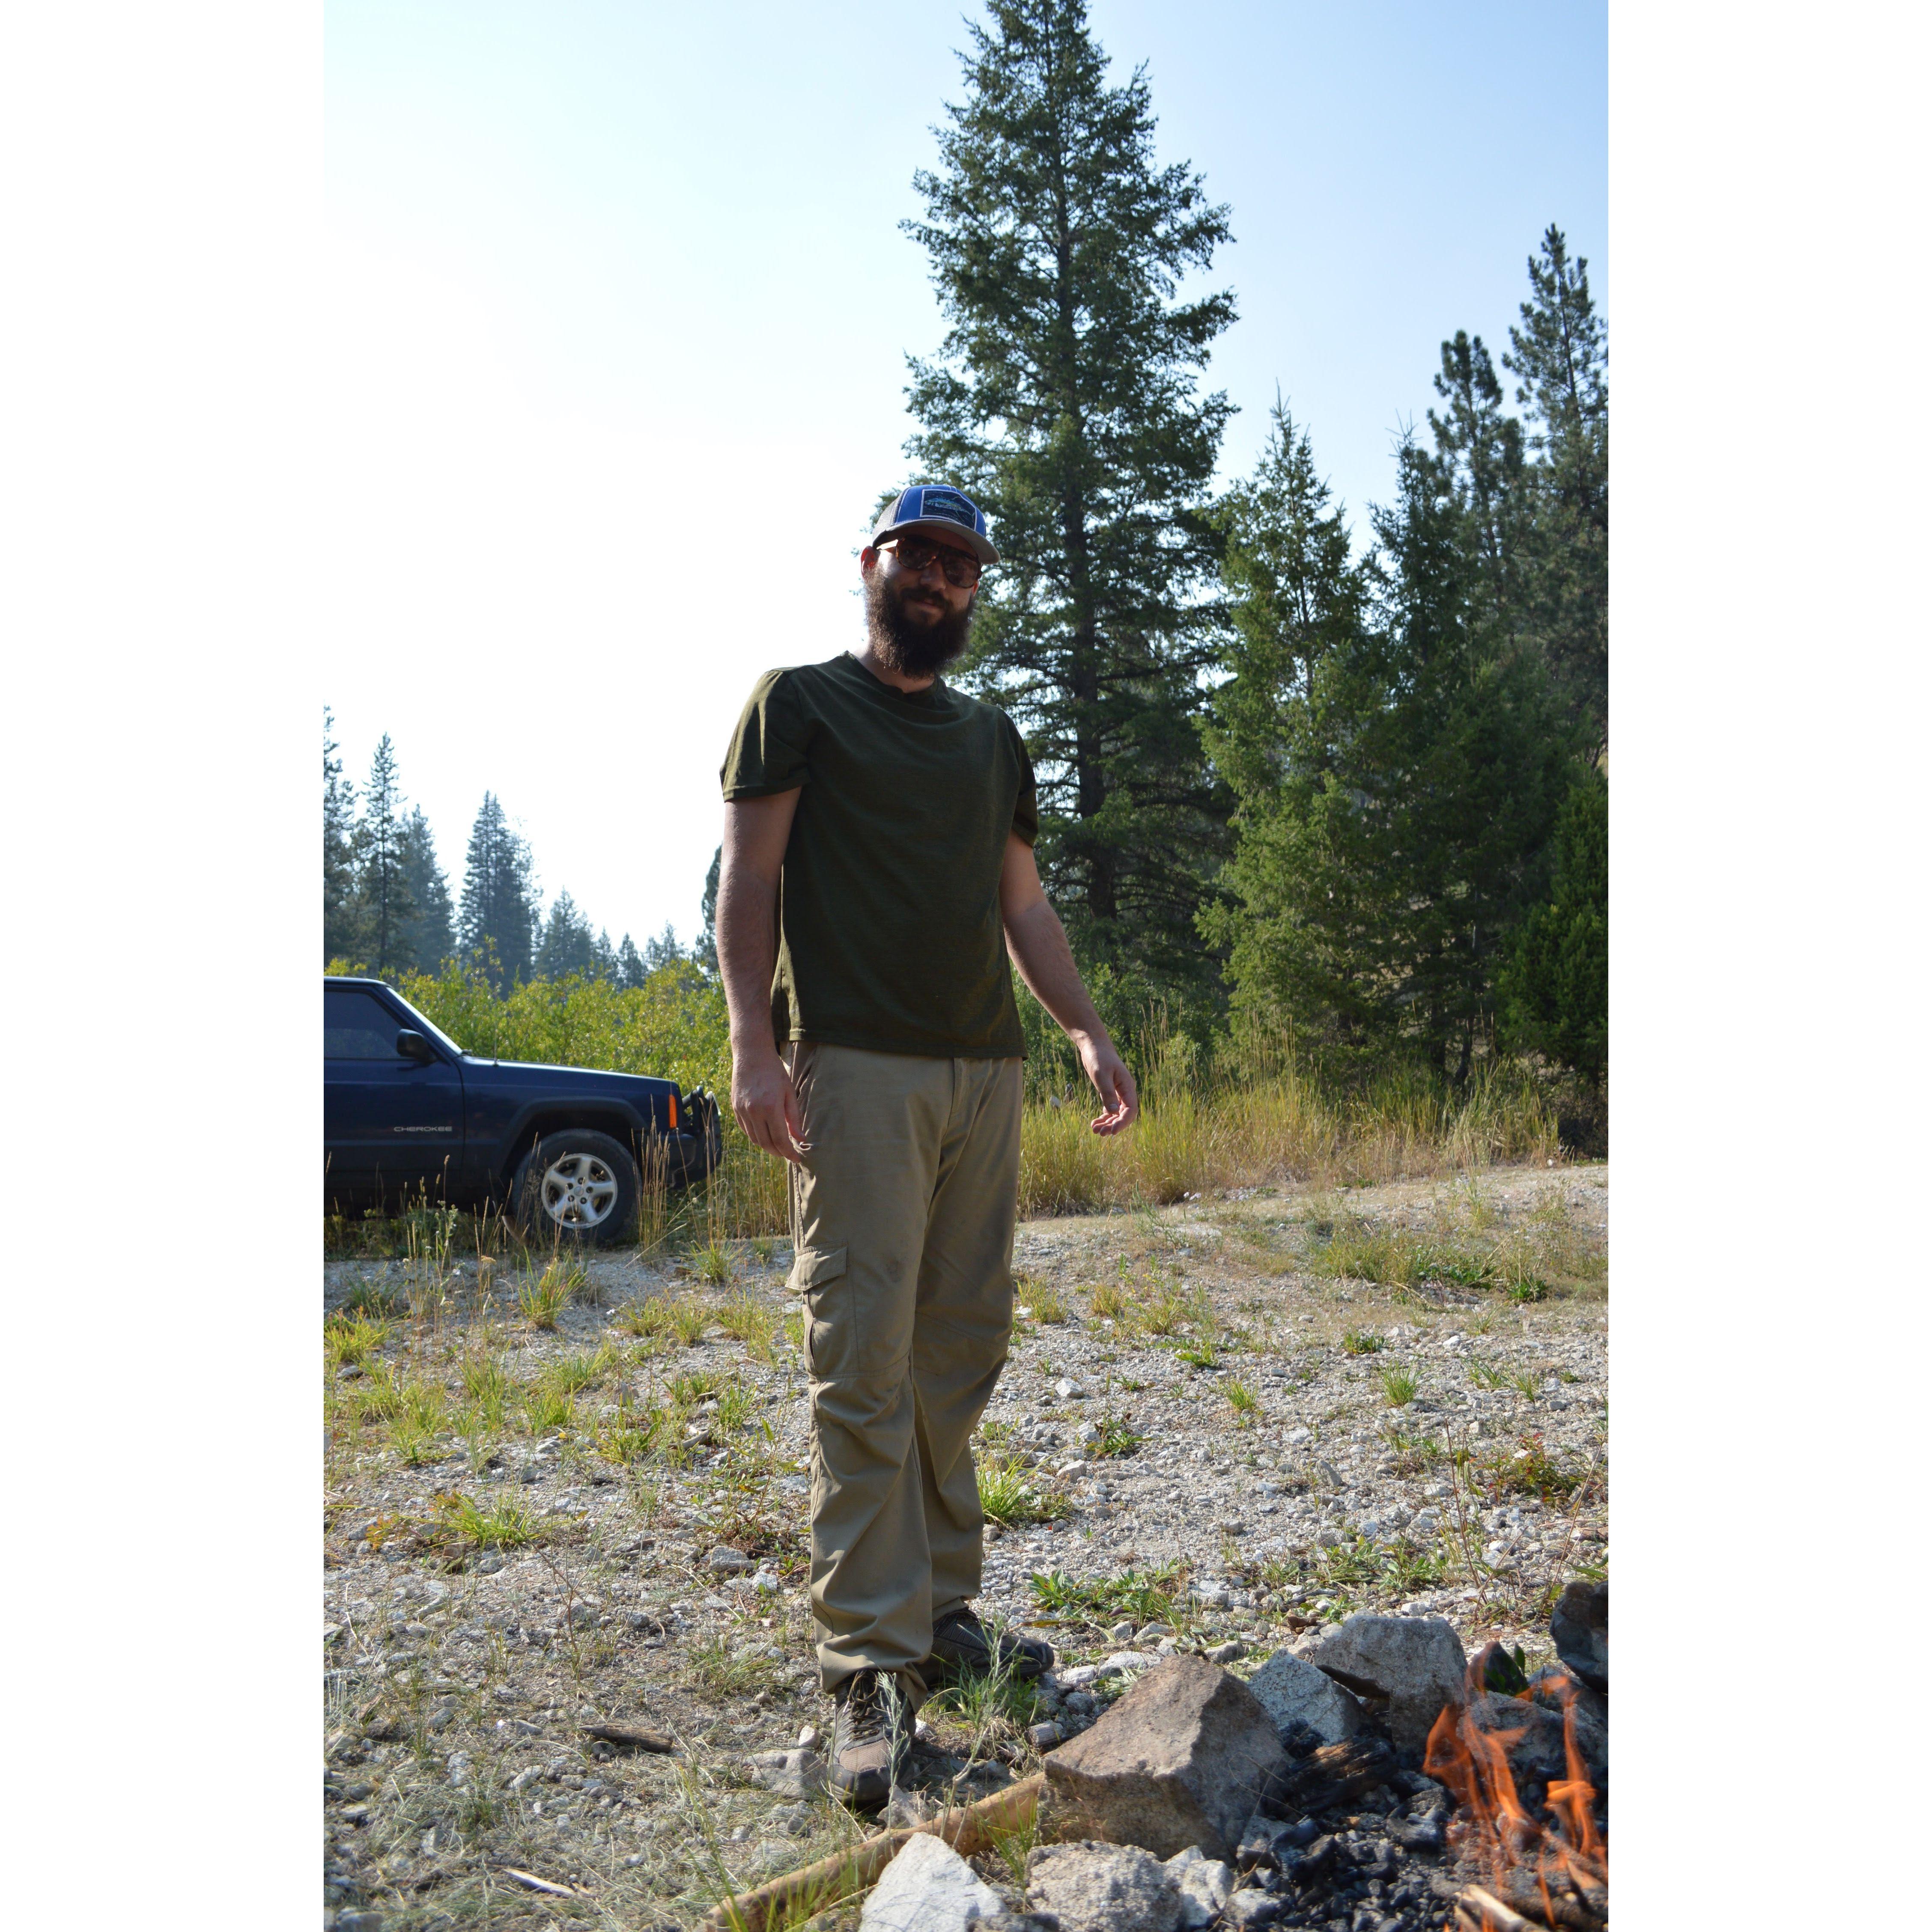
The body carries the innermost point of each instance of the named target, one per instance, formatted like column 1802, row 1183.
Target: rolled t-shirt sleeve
column 767, row 751
column 1026, row 805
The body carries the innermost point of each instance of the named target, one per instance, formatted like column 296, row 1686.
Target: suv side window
column 356, row 1025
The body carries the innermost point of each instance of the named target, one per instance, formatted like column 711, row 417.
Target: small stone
column 727, row 1562
column 928, row 1888
column 1090, row 1887
column 1122, row 1633
column 1294, row 1692
column 358, row 1921
column 1227, row 1653
column 1204, row 1884
column 810, row 1738
column 798, row 1773
column 1297, row 1436
column 1251, row 1906
column 1068, row 1391
column 1043, row 1737
column 766, row 1582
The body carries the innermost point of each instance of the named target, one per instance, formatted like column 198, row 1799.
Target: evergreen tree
column 430, row 938
column 341, row 934
column 705, row 951
column 664, row 950
column 1064, row 400
column 630, row 971
column 1560, row 358
column 496, row 922
column 1395, row 809
column 568, row 945
column 603, row 958
column 385, row 907
column 1479, row 452
column 1556, row 989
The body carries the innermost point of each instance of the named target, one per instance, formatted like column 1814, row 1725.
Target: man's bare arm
column 1037, row 941
column 756, row 833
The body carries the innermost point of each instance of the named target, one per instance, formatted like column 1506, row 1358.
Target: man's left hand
column 1113, row 1083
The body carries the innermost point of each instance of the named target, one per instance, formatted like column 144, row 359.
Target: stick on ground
column 967, row 1828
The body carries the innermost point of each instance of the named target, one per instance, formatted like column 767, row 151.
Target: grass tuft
column 1399, row 1385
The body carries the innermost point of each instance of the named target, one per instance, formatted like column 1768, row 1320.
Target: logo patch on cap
column 949, row 504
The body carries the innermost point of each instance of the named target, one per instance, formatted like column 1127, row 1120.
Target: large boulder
column 1417, row 1662
column 928, row 1888
column 1294, row 1692
column 1098, row 1887
column 1579, row 1627
column 1184, row 1759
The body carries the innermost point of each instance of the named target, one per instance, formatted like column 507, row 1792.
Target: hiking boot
column 961, row 1646
column 871, row 1737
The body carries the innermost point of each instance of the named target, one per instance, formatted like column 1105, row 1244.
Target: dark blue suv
column 407, row 1115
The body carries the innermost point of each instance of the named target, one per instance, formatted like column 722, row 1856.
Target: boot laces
column 871, row 1709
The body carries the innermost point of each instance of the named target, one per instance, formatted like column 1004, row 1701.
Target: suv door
column 390, row 1125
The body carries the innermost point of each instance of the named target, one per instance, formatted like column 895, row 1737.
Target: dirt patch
column 1210, row 1434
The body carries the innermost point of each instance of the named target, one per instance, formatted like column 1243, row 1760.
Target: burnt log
column 1334, row 1773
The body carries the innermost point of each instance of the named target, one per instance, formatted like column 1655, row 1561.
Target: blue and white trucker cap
column 932, row 506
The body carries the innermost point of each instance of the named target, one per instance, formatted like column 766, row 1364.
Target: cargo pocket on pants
column 817, row 1273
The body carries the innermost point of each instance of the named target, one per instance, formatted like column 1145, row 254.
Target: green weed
column 542, row 1300
column 1399, row 1385
column 350, row 1340
column 1151, row 1596
column 1362, row 1342
column 1010, row 1496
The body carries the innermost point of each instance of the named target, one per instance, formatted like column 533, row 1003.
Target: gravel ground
column 1279, row 1479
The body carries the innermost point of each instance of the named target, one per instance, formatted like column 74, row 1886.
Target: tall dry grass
column 1246, row 1114
column 1276, row 1126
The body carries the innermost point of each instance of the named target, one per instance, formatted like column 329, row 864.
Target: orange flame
column 1473, row 1763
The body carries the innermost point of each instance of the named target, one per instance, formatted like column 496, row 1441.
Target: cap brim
column 981, row 547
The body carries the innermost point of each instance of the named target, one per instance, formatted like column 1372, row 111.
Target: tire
column 577, row 1187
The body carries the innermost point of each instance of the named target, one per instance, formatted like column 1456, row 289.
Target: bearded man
column 878, row 872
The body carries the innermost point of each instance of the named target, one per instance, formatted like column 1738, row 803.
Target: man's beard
column 901, row 642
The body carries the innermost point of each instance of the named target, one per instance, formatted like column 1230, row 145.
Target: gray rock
column 789, row 1774
column 1579, row 1627
column 1043, row 1737
column 1532, row 1736
column 1184, row 1759
column 1417, row 1661
column 727, row 1562
column 1099, row 1888
column 1294, row 1692
column 358, row 1921
column 927, row 1888
column 1251, row 1906
column 1204, row 1884
column 1227, row 1653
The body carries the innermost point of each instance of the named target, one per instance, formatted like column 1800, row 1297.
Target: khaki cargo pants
column 902, row 1218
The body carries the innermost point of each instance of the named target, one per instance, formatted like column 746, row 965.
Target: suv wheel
column 577, row 1186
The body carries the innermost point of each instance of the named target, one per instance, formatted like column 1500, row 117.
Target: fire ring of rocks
column 1374, row 1779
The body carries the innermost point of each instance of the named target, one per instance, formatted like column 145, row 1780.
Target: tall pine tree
column 496, row 922
column 567, row 945
column 386, row 907
column 430, row 938
column 341, row 931
column 1560, row 356
column 1064, row 399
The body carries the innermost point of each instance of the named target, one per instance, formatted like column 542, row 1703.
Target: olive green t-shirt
column 890, row 936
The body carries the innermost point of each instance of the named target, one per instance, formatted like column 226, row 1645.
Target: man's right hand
column 765, row 1104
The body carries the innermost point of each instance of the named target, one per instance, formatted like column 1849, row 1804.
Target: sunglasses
column 916, row 558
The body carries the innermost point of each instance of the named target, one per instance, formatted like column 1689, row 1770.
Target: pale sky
column 618, row 312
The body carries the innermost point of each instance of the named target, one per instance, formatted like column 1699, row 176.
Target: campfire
column 1381, row 1780
column 1554, row 1872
